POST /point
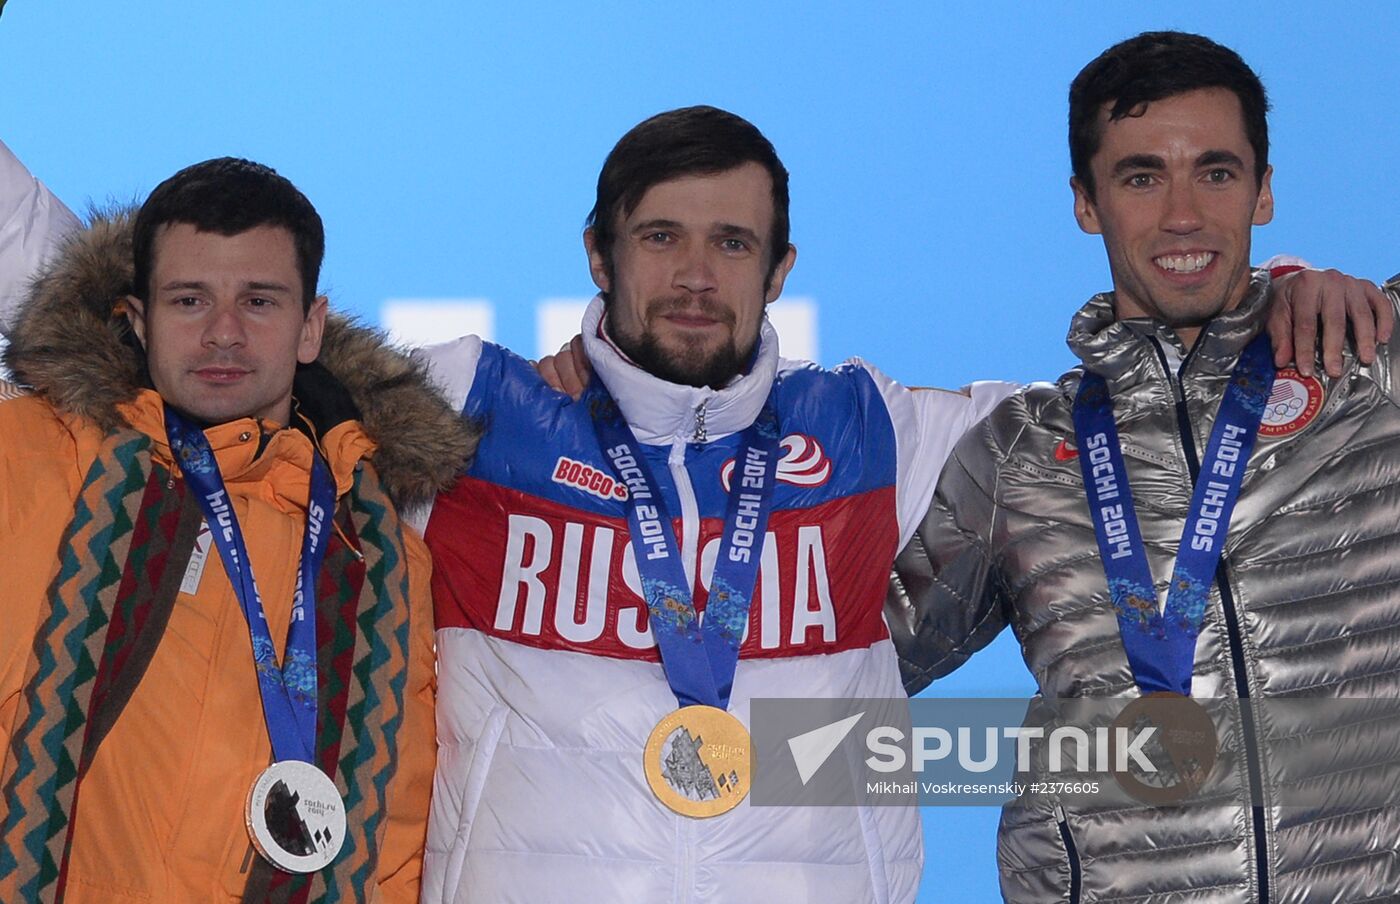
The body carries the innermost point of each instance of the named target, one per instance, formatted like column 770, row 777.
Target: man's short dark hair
column 691, row 141
column 228, row 196
column 1153, row 66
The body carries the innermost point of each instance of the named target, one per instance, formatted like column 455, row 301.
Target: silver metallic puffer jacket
column 1306, row 604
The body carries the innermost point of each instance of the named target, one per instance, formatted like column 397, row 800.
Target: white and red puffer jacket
column 549, row 678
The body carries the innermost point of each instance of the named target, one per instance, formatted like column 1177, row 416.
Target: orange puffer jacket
column 161, row 815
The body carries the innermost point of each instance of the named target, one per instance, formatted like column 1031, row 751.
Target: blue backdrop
column 452, row 149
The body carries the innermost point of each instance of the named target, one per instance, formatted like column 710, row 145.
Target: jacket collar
column 1116, row 349
column 249, row 450
column 661, row 413
column 70, row 347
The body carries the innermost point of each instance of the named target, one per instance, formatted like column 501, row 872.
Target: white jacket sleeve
column 452, row 370
column 927, row 425
column 33, row 223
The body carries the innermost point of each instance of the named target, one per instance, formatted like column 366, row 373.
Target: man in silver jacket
column 1169, row 146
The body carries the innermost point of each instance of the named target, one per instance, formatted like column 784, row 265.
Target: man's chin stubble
column 690, row 367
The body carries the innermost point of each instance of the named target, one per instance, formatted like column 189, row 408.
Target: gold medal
column 698, row 761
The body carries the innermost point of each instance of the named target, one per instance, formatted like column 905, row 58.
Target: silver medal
column 296, row 817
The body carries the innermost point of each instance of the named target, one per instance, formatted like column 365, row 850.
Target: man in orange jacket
column 180, row 373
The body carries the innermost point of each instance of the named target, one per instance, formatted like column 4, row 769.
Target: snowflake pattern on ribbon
column 193, row 458
column 1254, row 384
column 265, row 661
column 1135, row 603
column 670, row 612
column 1189, row 598
column 727, row 613
column 297, row 674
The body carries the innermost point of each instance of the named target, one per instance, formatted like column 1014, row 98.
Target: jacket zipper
column 690, row 511
column 1076, row 876
column 685, row 490
column 1233, row 633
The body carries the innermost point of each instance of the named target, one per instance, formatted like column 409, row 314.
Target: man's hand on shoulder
column 566, row 370
column 1302, row 298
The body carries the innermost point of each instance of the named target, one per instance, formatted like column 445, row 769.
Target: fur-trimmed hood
column 70, row 347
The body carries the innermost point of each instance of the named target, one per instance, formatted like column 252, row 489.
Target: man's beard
column 691, row 364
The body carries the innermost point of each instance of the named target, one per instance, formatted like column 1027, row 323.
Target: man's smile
column 1187, row 262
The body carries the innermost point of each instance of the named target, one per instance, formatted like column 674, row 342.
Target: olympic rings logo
column 1284, row 411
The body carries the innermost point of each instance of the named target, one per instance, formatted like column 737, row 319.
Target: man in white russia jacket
column 549, row 674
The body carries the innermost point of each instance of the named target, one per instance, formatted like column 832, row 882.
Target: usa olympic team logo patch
column 1293, row 404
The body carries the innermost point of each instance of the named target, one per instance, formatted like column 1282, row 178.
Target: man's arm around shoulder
column 945, row 601
column 33, row 223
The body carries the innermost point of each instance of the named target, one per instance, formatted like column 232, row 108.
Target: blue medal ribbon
column 1161, row 646
column 699, row 659
column 288, row 692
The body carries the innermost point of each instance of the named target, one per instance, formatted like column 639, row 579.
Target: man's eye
column 187, row 301
column 1219, row 175
column 734, row 245
column 258, row 301
column 657, row 238
column 1141, row 180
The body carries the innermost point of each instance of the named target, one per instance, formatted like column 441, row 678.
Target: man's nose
column 1182, row 213
column 225, row 328
column 696, row 274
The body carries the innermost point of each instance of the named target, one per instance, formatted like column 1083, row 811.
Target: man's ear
column 136, row 316
column 597, row 262
column 780, row 274
column 314, row 327
column 1085, row 212
column 1264, row 204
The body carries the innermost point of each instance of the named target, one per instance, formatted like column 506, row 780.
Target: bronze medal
column 1183, row 750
